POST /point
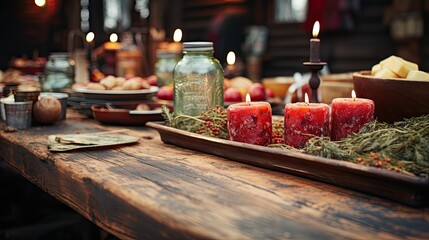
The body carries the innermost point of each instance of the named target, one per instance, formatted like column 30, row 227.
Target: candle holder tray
column 410, row 190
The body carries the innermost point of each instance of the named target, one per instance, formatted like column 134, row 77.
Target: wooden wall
column 26, row 27
column 288, row 44
column 343, row 51
column 21, row 22
column 203, row 21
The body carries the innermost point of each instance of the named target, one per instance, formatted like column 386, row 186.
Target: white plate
column 117, row 94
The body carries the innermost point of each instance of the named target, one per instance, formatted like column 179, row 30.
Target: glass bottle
column 198, row 80
column 59, row 72
column 164, row 67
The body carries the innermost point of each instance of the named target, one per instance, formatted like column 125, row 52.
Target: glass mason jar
column 198, row 80
column 59, row 72
column 164, row 67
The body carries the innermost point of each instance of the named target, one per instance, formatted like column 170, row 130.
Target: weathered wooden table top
column 154, row 190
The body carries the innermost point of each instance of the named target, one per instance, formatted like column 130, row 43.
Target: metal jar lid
column 198, row 46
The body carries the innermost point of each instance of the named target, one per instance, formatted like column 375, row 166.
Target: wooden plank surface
column 155, row 190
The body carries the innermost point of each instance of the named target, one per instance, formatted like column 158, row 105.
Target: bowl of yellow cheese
column 398, row 88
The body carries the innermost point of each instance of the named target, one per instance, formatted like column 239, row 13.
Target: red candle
column 349, row 115
column 250, row 122
column 315, row 44
column 303, row 121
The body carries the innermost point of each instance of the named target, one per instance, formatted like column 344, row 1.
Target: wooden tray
column 410, row 190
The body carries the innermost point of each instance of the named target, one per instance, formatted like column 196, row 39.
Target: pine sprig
column 210, row 123
column 401, row 147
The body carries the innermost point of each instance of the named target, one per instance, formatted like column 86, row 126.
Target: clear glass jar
column 59, row 72
column 164, row 67
column 198, row 80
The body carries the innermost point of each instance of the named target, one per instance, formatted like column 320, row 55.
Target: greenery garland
column 401, row 147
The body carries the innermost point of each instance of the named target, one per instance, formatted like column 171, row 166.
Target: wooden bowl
column 125, row 114
column 339, row 85
column 395, row 99
column 279, row 85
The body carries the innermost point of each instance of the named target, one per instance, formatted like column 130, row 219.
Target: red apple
column 257, row 92
column 232, row 95
column 165, row 93
column 269, row 93
column 153, row 80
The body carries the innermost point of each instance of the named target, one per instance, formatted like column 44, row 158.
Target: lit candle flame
column 40, row 3
column 306, row 99
column 177, row 36
column 248, row 100
column 230, row 58
column 316, row 29
column 353, row 95
column 113, row 37
column 90, row 37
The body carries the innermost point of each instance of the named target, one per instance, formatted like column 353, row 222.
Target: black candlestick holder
column 314, row 81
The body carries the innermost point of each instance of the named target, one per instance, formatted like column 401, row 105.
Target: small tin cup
column 2, row 113
column 18, row 114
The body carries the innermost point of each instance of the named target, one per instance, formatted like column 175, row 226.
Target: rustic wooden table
column 154, row 190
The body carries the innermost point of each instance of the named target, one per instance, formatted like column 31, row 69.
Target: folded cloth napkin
column 67, row 142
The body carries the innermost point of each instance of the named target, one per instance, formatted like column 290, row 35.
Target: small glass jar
column 198, row 80
column 59, row 72
column 164, row 67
